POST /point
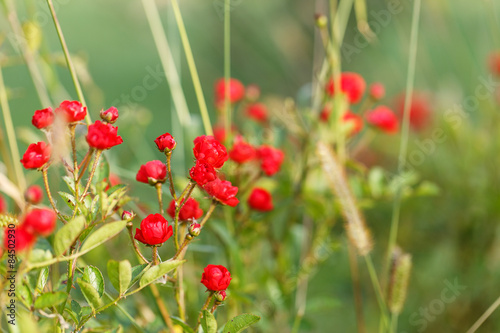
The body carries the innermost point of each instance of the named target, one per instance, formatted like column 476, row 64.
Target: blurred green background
column 453, row 236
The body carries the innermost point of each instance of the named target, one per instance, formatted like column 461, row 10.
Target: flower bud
column 127, row 216
column 321, row 20
column 33, row 194
column 216, row 277
column 377, row 91
column 110, row 115
column 165, row 142
column 194, row 229
column 220, row 296
column 152, row 173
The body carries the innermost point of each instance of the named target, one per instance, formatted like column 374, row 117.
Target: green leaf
column 48, row 300
column 93, row 275
column 137, row 272
column 103, row 234
column 39, row 255
column 240, row 323
column 68, row 234
column 25, row 295
column 42, row 279
column 90, row 294
column 208, row 322
column 155, row 272
column 185, row 327
column 76, row 308
column 120, row 274
column 68, row 199
column 102, row 170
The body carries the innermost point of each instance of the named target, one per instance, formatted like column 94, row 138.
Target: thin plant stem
column 11, row 136
column 227, row 68
column 192, row 68
column 72, row 128
column 155, row 255
column 394, row 322
column 484, row 316
column 377, row 289
column 94, row 167
column 67, row 56
column 393, row 233
column 162, row 307
column 204, row 307
column 208, row 214
column 167, row 61
column 160, row 198
column 169, row 173
column 188, row 189
column 49, row 194
column 134, row 244
column 85, row 163
column 358, row 301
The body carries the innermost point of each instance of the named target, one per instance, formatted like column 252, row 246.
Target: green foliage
column 120, row 275
column 68, row 234
column 240, row 323
column 208, row 322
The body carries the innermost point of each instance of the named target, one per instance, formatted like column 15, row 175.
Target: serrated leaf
column 68, row 234
column 208, row 322
column 25, row 295
column 48, row 300
column 43, row 277
column 120, row 274
column 94, row 208
column 90, row 294
column 103, row 234
column 76, row 308
column 155, row 272
column 137, row 272
column 68, row 199
column 240, row 323
column 93, row 275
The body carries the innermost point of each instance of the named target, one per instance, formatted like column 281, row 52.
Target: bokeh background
column 453, row 234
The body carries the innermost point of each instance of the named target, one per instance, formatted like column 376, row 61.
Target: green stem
column 134, row 244
column 485, row 316
column 94, row 167
column 159, row 194
column 155, row 255
column 192, row 68
column 67, row 56
column 169, row 173
column 227, row 69
column 377, row 289
column 49, row 194
column 209, row 213
column 72, row 128
column 204, row 307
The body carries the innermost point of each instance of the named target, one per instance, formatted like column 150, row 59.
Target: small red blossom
column 43, row 118
column 152, row 173
column 207, row 149
column 202, row 173
column 252, row 92
column 377, row 91
column 33, row 194
column 494, row 62
column 154, row 230
column 271, row 159
column 242, row 151
column 110, row 115
column 216, row 277
column 222, row 191
column 351, row 84
column 236, row 91
column 194, row 229
column 18, row 238
column 353, row 121
column 36, row 156
column 190, row 210
column 384, row 119
column 420, row 110
column 40, row 222
column 257, row 112
column 165, row 142
column 261, row 200
column 103, row 136
column 3, row 205
column 72, row 111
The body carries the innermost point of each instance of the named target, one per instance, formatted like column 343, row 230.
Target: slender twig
column 189, row 188
column 155, row 255
column 378, row 290
column 160, row 197
column 192, row 68
column 85, row 163
column 485, row 316
column 209, row 213
column 204, row 307
column 94, row 167
column 227, row 69
column 169, row 173
column 49, row 194
column 72, row 128
column 162, row 307
column 134, row 244
column 358, row 302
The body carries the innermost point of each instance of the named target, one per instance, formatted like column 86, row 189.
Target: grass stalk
column 227, row 68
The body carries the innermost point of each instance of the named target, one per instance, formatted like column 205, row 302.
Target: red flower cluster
column 38, row 222
column 33, row 194
column 261, row 200
column 43, row 118
column 165, row 142
column 154, row 230
column 202, row 173
column 152, row 173
column 190, row 210
column 222, row 191
column 36, row 156
column 351, row 84
column 270, row 159
column 384, row 119
column 103, row 136
column 207, row 149
column 216, row 278
column 72, row 111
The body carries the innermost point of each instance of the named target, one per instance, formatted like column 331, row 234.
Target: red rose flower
column 73, row 111
column 420, row 111
column 236, row 91
column 384, row 119
column 154, row 230
column 3, row 205
column 165, row 142
column 271, row 159
column 34, row 194
column 152, row 173
column 36, row 155
column 257, row 112
column 353, row 121
column 260, row 200
column 377, row 91
column 351, row 84
column 43, row 118
column 40, row 222
column 222, row 191
column 110, row 115
column 216, row 277
column 190, row 211
column 103, row 136
column 207, row 149
column 242, row 151
column 20, row 236
column 202, row 173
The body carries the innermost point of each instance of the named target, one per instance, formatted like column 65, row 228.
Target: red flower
column 352, row 84
column 236, row 91
column 103, row 136
column 154, row 230
column 260, row 200
column 257, row 112
column 494, row 62
column 165, row 142
column 73, row 111
column 36, row 155
column 222, row 191
column 271, row 159
column 383, row 118
column 152, row 173
column 216, row 277
column 324, row 115
column 220, row 132
column 207, row 149
column 354, row 121
column 34, row 194
column 420, row 110
column 190, row 211
column 377, row 91
column 3, row 205
column 202, row 173
column 43, row 118
column 18, row 238
column 110, row 115
column 40, row 222
column 242, row 151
